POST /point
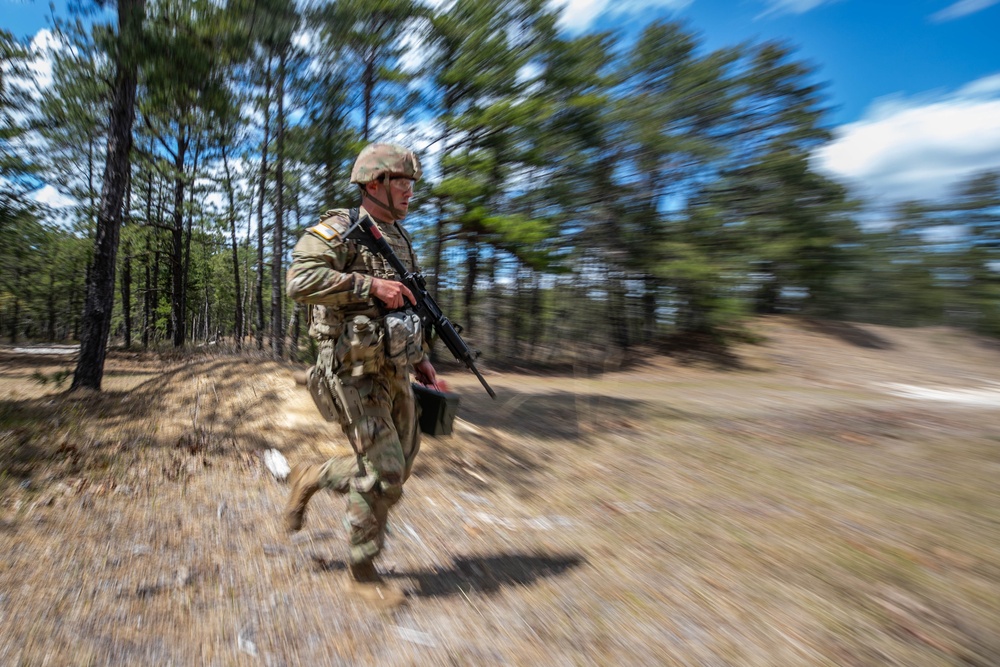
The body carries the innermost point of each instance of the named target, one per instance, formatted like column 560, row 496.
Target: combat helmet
column 378, row 160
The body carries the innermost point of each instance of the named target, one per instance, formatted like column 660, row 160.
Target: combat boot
column 305, row 482
column 369, row 586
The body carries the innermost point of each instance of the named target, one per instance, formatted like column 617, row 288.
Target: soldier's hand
column 391, row 293
column 426, row 375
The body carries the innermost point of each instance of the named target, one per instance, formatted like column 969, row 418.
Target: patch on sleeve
column 324, row 231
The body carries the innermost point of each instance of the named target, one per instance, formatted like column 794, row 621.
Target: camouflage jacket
column 334, row 274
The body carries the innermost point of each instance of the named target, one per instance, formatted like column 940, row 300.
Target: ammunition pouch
column 359, row 347
column 403, row 338
column 336, row 401
column 321, row 396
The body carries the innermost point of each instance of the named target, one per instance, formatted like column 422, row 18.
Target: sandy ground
column 830, row 501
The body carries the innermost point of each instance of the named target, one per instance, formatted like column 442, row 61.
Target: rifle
column 366, row 232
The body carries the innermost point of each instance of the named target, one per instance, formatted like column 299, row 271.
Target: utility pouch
column 321, row 396
column 341, row 405
column 360, row 346
column 403, row 338
column 348, row 400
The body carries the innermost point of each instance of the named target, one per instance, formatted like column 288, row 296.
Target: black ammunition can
column 437, row 409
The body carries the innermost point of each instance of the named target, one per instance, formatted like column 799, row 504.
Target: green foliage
column 16, row 170
column 580, row 192
column 364, row 42
column 183, row 71
column 22, row 236
column 73, row 115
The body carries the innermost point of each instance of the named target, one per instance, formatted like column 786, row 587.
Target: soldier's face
column 402, row 192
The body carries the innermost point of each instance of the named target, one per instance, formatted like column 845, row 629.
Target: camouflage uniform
column 334, row 275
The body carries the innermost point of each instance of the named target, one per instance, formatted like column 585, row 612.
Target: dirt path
column 802, row 510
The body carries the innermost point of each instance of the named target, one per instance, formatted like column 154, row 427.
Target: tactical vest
column 327, row 322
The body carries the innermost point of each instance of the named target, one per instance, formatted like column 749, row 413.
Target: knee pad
column 391, row 490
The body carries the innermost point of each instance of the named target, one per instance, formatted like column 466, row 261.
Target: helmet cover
column 376, row 160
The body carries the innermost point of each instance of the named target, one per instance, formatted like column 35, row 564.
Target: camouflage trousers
column 385, row 439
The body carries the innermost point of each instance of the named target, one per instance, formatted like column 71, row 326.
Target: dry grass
column 788, row 513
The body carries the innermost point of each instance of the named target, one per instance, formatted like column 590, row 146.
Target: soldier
column 366, row 378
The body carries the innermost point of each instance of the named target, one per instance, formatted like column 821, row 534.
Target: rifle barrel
column 489, row 389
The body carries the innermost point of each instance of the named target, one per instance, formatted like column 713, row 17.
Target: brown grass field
column 831, row 500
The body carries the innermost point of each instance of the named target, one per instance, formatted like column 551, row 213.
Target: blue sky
column 25, row 18
column 914, row 85
column 865, row 49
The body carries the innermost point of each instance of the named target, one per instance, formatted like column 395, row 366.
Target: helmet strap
column 389, row 205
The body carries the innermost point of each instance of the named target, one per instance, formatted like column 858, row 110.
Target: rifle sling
column 358, row 235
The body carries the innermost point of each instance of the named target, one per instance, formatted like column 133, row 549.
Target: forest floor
column 832, row 499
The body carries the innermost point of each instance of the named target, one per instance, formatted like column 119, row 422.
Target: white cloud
column 42, row 46
column 49, row 196
column 530, row 72
column 215, row 201
column 39, row 65
column 960, row 9
column 918, row 149
column 791, row 6
column 414, row 52
column 304, row 38
column 985, row 87
column 578, row 15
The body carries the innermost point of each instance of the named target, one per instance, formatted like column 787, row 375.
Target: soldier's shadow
column 486, row 574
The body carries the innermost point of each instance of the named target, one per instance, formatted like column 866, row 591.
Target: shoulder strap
column 409, row 245
column 355, row 233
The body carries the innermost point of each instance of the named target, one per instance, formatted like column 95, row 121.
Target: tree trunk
column 516, row 312
column 91, row 209
column 15, row 321
column 156, row 283
column 766, row 300
column 439, row 228
column 146, row 297
column 187, row 246
column 74, row 302
column 537, row 321
column 126, row 289
column 207, row 330
column 293, row 350
column 470, row 281
column 369, row 92
column 101, row 284
column 260, row 211
column 618, row 310
column 238, row 332
column 277, row 313
column 650, row 290
column 148, row 291
column 51, row 305
column 494, row 307
column 126, row 281
column 248, row 287
column 177, row 243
